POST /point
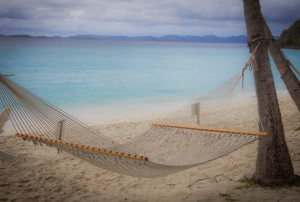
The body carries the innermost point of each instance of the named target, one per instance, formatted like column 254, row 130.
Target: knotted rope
column 251, row 63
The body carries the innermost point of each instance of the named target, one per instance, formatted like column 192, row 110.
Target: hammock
column 212, row 126
column 4, row 116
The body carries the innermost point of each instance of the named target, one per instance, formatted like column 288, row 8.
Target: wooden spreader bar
column 209, row 129
column 93, row 149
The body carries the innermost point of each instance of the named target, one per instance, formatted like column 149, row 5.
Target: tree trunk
column 273, row 164
column 287, row 75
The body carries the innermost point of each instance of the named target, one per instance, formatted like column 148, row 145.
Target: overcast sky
column 138, row 17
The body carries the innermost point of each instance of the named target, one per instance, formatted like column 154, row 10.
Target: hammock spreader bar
column 209, row 129
column 93, row 149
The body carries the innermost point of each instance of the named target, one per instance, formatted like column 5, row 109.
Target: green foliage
column 277, row 187
column 244, row 186
column 248, row 183
column 290, row 38
column 227, row 197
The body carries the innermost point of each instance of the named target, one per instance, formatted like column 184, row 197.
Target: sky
column 139, row 17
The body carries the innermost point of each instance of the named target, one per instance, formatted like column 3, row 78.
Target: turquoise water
column 88, row 73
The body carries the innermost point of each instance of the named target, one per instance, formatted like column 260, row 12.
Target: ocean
column 109, row 75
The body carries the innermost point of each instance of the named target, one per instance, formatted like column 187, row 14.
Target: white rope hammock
column 212, row 126
column 4, row 117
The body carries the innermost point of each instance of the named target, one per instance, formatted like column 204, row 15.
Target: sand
column 41, row 174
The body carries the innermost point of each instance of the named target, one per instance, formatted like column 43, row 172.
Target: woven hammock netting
column 214, row 125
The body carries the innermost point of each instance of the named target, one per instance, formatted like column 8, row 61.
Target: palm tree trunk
column 273, row 164
column 287, row 75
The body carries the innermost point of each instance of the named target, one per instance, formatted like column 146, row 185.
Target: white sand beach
column 41, row 174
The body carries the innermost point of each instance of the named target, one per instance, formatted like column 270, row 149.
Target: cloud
column 280, row 11
column 137, row 17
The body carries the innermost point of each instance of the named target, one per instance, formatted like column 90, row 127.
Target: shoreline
column 130, row 112
column 99, row 115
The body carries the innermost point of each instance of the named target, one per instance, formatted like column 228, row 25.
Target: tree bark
column 273, row 164
column 287, row 75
